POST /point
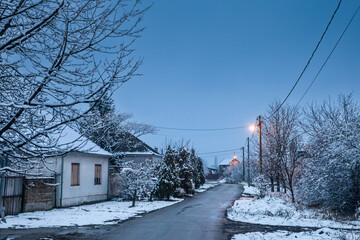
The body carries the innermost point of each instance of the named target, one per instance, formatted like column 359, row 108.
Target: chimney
column 156, row 149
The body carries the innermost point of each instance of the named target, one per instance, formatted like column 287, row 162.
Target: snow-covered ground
column 323, row 233
column 251, row 190
column 272, row 210
column 110, row 212
column 209, row 184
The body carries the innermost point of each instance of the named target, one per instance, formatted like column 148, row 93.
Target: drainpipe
column 62, row 178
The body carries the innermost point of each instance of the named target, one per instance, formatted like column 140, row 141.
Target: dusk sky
column 219, row 64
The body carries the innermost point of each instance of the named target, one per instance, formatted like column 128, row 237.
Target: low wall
column 38, row 195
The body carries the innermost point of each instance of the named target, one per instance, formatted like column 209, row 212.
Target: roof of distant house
column 71, row 140
column 226, row 161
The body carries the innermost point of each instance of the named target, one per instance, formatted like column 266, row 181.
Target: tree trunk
column 292, row 194
column 277, row 184
column 272, row 184
column 134, row 199
column 284, row 185
column 151, row 196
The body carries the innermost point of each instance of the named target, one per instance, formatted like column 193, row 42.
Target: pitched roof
column 69, row 139
column 225, row 161
column 143, row 153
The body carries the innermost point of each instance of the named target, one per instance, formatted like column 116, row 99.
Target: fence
column 13, row 195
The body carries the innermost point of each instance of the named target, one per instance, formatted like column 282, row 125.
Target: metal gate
column 13, row 195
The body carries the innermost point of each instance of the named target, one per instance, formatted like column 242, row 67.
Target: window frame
column 73, row 176
column 97, row 179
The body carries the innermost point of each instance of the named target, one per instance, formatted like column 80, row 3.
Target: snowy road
column 200, row 217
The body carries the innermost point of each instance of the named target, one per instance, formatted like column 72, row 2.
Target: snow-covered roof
column 225, row 162
column 69, row 139
column 142, row 153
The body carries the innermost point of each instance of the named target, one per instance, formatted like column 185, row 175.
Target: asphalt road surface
column 196, row 218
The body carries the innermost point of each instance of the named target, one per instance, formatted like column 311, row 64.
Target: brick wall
column 38, row 195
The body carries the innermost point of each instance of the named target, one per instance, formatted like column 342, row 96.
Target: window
column 97, row 179
column 75, row 180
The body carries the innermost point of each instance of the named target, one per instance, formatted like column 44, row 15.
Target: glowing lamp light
column 252, row 128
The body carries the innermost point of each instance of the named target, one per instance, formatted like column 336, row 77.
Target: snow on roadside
column 271, row 210
column 251, row 190
column 110, row 212
column 209, row 184
column 323, row 233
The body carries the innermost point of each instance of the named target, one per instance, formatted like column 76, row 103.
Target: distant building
column 227, row 163
column 212, row 173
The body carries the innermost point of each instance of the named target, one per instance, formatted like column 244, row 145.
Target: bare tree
column 281, row 137
column 57, row 60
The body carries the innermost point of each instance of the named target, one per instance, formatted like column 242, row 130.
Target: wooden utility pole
column 243, row 151
column 248, row 162
column 260, row 146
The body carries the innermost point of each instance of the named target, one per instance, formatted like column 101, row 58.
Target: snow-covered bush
column 261, row 184
column 137, row 181
column 234, row 174
column 331, row 177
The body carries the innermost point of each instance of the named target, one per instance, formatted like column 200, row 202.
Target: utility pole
column 248, row 162
column 260, row 146
column 243, row 151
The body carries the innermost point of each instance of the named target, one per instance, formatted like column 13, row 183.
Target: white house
column 80, row 175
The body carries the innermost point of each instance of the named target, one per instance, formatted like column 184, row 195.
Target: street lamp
column 252, row 128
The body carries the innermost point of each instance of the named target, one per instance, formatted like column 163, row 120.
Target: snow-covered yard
column 323, row 233
column 209, row 184
column 110, row 212
column 272, row 210
column 275, row 211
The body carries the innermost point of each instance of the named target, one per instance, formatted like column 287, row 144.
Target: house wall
column 86, row 191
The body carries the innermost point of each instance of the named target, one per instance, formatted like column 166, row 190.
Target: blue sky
column 215, row 64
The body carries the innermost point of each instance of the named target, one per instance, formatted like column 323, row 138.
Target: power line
column 308, row 62
column 201, row 129
column 223, row 151
column 328, row 57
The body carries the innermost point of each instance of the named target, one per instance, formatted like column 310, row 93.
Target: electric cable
column 328, row 57
column 223, row 151
column 308, row 62
column 200, row 129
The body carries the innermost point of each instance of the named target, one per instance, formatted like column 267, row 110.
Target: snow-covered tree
column 186, row 173
column 278, row 132
column 332, row 171
column 57, row 60
column 137, row 181
column 198, row 169
column 168, row 174
column 112, row 131
column 180, row 172
column 234, row 174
